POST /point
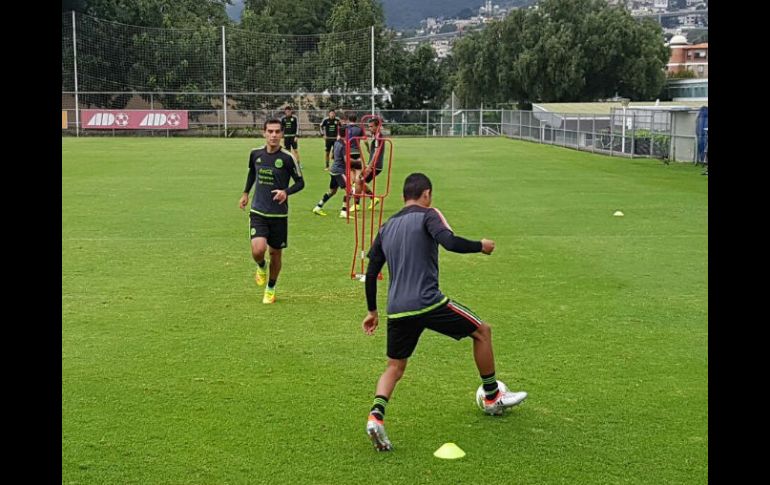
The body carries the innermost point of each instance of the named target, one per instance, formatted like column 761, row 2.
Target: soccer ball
column 121, row 119
column 174, row 119
column 480, row 393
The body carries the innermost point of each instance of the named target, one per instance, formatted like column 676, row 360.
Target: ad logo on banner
column 134, row 119
column 63, row 120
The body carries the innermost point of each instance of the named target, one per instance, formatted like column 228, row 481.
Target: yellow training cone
column 618, row 214
column 449, row 451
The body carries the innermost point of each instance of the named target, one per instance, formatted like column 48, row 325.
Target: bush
column 686, row 74
column 643, row 143
column 407, row 130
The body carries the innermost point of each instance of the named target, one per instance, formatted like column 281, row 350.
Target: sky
column 234, row 10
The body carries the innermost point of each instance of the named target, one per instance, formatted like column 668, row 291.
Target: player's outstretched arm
column 487, row 246
column 437, row 226
column 458, row 244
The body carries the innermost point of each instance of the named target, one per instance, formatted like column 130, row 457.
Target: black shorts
column 451, row 319
column 337, row 180
column 275, row 229
column 290, row 142
column 330, row 144
column 371, row 175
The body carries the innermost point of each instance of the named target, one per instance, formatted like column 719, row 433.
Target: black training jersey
column 289, row 125
column 330, row 127
column 407, row 242
column 354, row 131
column 272, row 171
column 377, row 144
column 338, row 165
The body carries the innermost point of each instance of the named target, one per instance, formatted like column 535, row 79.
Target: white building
column 442, row 48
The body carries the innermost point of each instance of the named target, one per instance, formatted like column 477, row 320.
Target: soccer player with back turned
column 408, row 243
column 270, row 167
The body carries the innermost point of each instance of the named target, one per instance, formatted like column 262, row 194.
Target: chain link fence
column 631, row 132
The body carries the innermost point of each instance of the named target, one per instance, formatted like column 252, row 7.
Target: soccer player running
column 270, row 167
column 374, row 166
column 338, row 180
column 408, row 242
column 330, row 130
column 290, row 126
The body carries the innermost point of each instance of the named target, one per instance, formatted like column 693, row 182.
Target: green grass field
column 174, row 372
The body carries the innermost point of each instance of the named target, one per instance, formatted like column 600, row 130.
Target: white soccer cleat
column 376, row 431
column 503, row 401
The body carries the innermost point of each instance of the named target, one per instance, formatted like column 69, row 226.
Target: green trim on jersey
column 253, row 211
column 419, row 312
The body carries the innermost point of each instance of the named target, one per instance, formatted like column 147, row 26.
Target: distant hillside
column 401, row 14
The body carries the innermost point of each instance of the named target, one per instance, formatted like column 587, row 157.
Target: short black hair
column 415, row 184
column 376, row 121
column 352, row 116
column 333, row 111
column 272, row 121
column 288, row 107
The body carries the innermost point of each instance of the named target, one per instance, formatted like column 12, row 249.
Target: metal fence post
column 672, row 130
column 481, row 119
column 577, row 133
column 612, row 125
column 652, row 138
column 75, row 61
column 633, row 133
column 224, row 79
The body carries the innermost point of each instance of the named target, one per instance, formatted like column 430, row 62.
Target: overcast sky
column 234, row 10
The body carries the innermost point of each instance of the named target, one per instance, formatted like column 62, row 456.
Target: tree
column 684, row 74
column 307, row 17
column 76, row 5
column 160, row 13
column 465, row 13
column 566, row 50
column 176, row 55
column 353, row 15
column 421, row 81
column 698, row 36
